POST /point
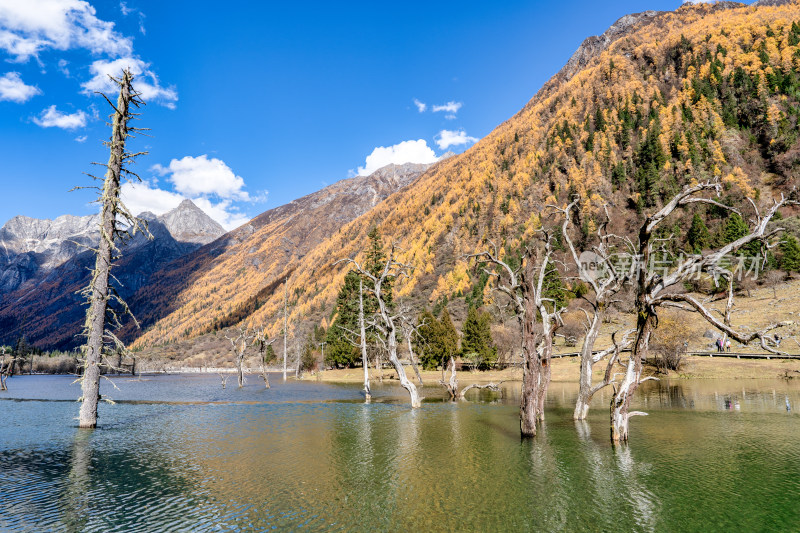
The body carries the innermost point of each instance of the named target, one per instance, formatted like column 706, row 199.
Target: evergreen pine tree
column 449, row 336
column 698, row 236
column 553, row 287
column 790, row 254
column 476, row 339
column 374, row 263
column 736, row 228
column 339, row 351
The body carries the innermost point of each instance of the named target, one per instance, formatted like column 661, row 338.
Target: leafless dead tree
column 6, row 367
column 651, row 284
column 239, row 343
column 605, row 280
column 114, row 215
column 223, row 378
column 410, row 329
column 450, row 385
column 386, row 323
column 362, row 328
column 263, row 342
column 524, row 286
column 489, row 386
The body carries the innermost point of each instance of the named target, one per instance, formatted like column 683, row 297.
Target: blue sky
column 253, row 104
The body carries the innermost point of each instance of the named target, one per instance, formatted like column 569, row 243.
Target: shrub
column 669, row 341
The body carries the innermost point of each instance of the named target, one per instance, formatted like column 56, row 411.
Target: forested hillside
column 707, row 91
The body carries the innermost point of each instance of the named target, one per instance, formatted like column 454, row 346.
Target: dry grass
column 566, row 370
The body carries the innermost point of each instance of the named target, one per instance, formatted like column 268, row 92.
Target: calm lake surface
column 179, row 453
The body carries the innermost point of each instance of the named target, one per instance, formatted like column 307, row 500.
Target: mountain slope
column 705, row 91
column 46, row 308
column 229, row 278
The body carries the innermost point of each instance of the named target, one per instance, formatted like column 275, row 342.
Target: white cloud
column 81, row 139
column 141, row 197
column 447, row 138
column 421, row 106
column 449, row 107
column 30, row 26
column 194, row 176
column 228, row 216
column 13, row 89
column 145, row 81
column 405, row 152
column 125, row 9
column 53, row 118
column 62, row 66
column 146, row 196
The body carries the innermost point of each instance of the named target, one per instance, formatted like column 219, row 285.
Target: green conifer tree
column 476, row 339
column 790, row 254
column 698, row 236
column 339, row 350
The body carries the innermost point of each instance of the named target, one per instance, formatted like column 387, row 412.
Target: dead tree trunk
column 239, row 348
column 586, row 369
column 594, row 268
column 409, row 330
column 264, row 349
column 450, row 385
column 531, row 371
column 386, row 322
column 5, row 369
column 651, row 283
column 525, row 288
column 363, row 340
column 112, row 209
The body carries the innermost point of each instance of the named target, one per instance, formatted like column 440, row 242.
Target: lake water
column 179, row 453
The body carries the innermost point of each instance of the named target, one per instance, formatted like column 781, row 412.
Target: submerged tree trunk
column 620, row 402
column 363, row 332
column 587, row 366
column 414, row 359
column 452, row 384
column 99, row 290
column 531, row 373
column 398, row 366
column 545, row 353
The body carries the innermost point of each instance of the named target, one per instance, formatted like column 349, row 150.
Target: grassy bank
column 566, row 370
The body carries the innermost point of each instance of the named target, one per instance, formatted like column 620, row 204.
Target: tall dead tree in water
column 266, row 353
column 239, row 345
column 386, row 322
column 362, row 329
column 652, row 283
column 116, row 224
column 6, row 368
column 540, row 318
column 606, row 280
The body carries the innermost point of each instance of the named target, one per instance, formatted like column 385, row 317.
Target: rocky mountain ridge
column 32, row 247
column 44, row 267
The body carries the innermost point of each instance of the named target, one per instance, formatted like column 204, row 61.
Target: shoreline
column 566, row 370
column 563, row 370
